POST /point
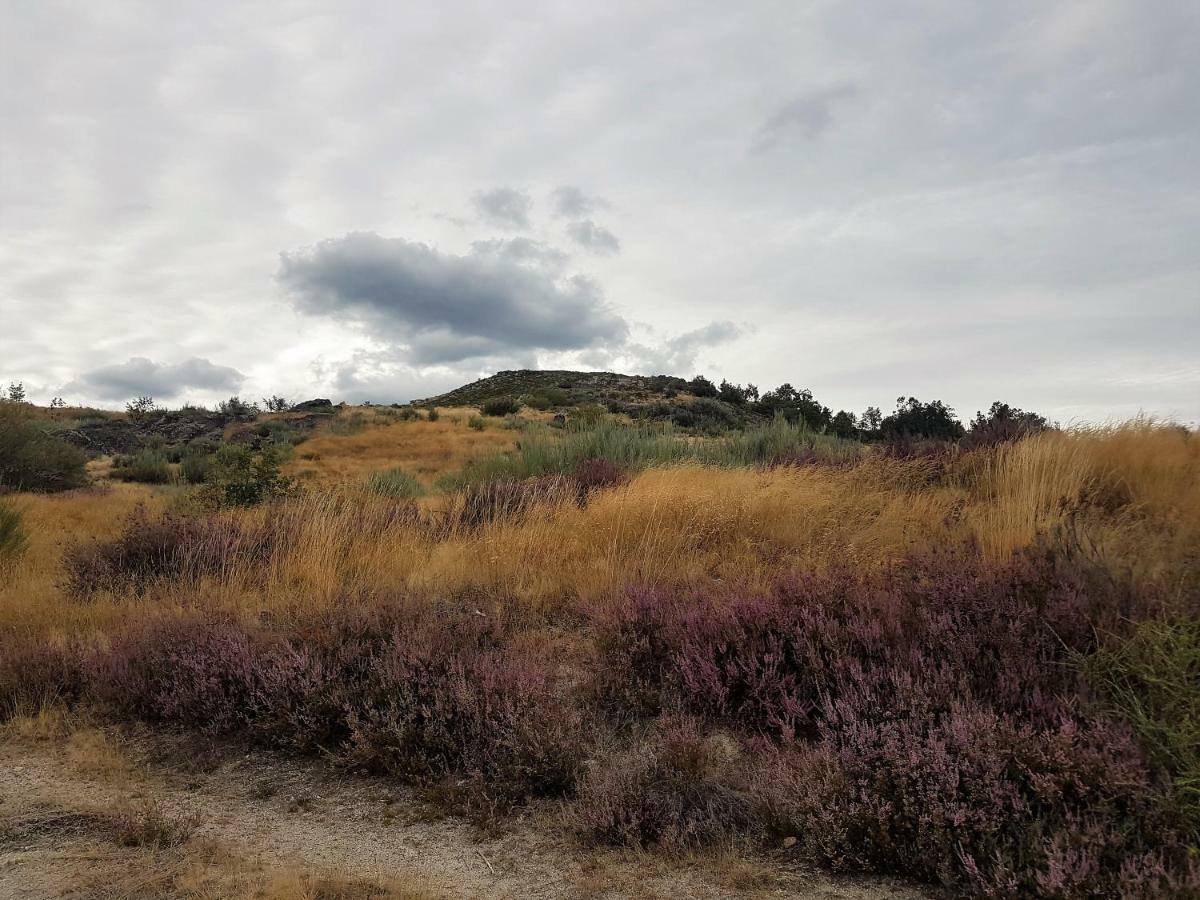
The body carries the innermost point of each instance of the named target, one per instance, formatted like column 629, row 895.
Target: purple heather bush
column 152, row 550
column 926, row 721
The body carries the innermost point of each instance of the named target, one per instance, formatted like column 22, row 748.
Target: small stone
column 789, row 843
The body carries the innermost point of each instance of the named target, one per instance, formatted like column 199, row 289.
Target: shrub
column 933, row 723
column 509, row 500
column 12, row 536
column 665, row 791
column 477, row 423
column 177, row 671
column 432, row 414
column 146, row 466
column 35, row 673
column 395, row 483
column 148, row 551
column 500, row 406
column 597, row 474
column 31, row 459
column 194, row 464
column 241, row 475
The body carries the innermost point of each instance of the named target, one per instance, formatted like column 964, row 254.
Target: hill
column 563, row 387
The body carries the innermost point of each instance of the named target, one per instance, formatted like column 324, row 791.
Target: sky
column 964, row 201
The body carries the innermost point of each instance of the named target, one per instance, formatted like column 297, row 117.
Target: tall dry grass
column 1132, row 493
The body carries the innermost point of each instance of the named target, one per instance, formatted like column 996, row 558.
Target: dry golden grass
column 1130, row 494
column 422, row 448
column 32, row 598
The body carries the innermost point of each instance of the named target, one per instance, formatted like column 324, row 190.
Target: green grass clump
column 146, row 466
column 546, row 451
column 1152, row 680
column 12, row 535
column 395, row 483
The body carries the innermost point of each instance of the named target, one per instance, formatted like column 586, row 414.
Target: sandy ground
column 261, row 825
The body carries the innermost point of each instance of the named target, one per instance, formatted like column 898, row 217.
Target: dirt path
column 269, row 826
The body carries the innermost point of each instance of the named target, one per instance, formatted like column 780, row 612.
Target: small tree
column 58, row 403
column 275, row 403
column 844, row 425
column 140, row 408
column 701, row 387
column 16, row 392
column 236, row 406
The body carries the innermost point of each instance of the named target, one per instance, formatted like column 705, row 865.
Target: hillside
column 565, row 387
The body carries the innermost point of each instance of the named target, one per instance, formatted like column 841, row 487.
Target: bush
column 395, row 483
column 194, row 464
column 241, row 475
column 12, row 536
column 432, row 414
column 931, row 716
column 149, row 551
column 477, row 423
column 597, row 474
column 500, row 406
column 146, row 466
column 668, row 791
column 31, row 459
column 35, row 674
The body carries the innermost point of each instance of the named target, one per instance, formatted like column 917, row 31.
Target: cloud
column 139, row 376
column 808, row 115
column 504, row 207
column 503, row 298
column 678, row 355
column 591, row 236
column 571, row 202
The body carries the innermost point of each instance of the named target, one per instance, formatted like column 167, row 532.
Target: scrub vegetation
column 966, row 655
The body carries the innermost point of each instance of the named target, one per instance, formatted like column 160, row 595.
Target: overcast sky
column 379, row 201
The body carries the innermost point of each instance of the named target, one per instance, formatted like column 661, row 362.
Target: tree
column 16, row 392
column 701, row 387
column 140, row 408
column 914, row 419
column 58, row 403
column 275, row 403
column 1003, row 423
column 796, row 406
column 870, row 420
column 844, row 425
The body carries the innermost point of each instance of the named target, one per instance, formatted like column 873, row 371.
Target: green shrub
column 32, row 459
column 537, row 401
column 500, row 406
column 395, row 483
column 145, row 466
column 240, row 475
column 12, row 535
column 194, row 464
column 408, row 414
column 433, row 414
column 477, row 422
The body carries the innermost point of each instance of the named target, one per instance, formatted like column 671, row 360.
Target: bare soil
column 262, row 825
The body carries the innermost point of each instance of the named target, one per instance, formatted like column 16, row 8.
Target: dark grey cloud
column 570, row 201
column 807, row 115
column 139, row 376
column 592, row 237
column 504, row 207
column 446, row 308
